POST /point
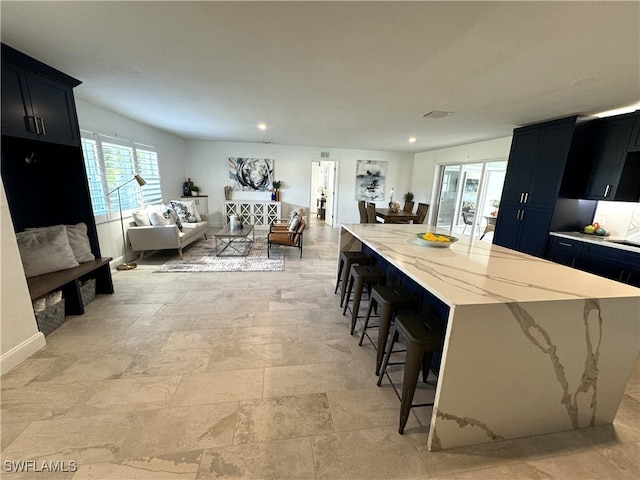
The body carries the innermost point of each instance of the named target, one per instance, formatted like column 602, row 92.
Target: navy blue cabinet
column 605, row 261
column 634, row 138
column 564, row 251
column 612, row 263
column 537, row 162
column 37, row 102
column 610, row 155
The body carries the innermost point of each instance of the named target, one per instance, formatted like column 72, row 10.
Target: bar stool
column 390, row 300
column 424, row 335
column 347, row 259
column 360, row 276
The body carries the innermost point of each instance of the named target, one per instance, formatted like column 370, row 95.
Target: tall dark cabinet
column 539, row 157
column 42, row 164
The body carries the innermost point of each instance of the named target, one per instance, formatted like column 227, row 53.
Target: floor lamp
column 141, row 182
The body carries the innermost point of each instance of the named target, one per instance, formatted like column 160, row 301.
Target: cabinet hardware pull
column 526, row 197
column 522, row 215
column 565, row 244
column 606, row 191
column 44, row 130
column 621, row 274
column 35, row 121
column 521, row 196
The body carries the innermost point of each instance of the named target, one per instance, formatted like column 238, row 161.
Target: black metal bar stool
column 347, row 259
column 424, row 335
column 360, row 276
column 390, row 300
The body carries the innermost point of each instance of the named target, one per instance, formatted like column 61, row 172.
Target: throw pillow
column 185, row 210
column 141, row 218
column 78, row 241
column 293, row 226
column 171, row 215
column 45, row 250
column 157, row 219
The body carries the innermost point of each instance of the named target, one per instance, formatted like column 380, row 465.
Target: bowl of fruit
column 437, row 240
column 595, row 229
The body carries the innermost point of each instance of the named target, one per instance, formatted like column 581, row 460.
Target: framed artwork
column 251, row 174
column 370, row 178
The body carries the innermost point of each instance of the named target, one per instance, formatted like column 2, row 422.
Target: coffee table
column 233, row 238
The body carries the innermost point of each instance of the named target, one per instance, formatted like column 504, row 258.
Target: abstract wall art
column 370, row 178
column 251, row 174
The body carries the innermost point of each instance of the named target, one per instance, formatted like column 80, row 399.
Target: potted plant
column 276, row 186
column 195, row 191
column 408, row 197
column 495, row 204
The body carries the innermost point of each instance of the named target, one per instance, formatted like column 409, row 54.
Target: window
column 111, row 162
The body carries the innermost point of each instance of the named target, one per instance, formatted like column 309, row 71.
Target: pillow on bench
column 45, row 250
column 78, row 241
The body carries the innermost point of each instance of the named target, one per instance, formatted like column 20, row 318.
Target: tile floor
column 251, row 375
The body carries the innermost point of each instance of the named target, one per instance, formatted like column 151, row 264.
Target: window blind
column 110, row 163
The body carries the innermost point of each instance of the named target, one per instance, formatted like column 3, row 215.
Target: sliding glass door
column 468, row 196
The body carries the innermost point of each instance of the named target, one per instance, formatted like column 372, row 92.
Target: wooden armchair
column 286, row 234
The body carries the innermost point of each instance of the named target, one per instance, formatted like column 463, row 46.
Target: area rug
column 202, row 257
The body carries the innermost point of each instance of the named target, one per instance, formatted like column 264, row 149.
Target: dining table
column 395, row 217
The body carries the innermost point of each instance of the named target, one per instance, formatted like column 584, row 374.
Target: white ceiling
column 339, row 74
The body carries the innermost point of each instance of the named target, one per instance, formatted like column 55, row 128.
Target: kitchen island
column 531, row 347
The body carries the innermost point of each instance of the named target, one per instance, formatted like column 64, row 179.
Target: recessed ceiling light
column 437, row 114
column 262, row 126
column 412, row 139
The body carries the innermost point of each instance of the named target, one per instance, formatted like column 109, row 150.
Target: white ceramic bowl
column 430, row 243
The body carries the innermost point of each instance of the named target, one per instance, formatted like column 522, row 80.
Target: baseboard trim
column 21, row 352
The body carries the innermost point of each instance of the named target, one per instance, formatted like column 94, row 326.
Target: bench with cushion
column 60, row 257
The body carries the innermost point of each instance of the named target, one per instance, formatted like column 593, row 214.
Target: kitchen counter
column 531, row 346
column 598, row 240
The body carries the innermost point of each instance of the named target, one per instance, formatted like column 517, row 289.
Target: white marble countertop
column 473, row 272
column 598, row 240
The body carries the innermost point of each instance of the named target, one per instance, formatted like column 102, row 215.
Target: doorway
column 323, row 195
column 469, row 196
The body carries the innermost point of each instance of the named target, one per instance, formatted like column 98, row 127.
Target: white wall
column 19, row 335
column 171, row 160
column 207, row 165
column 427, row 163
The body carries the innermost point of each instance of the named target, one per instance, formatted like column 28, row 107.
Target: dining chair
column 491, row 225
column 468, row 219
column 408, row 206
column 371, row 213
column 423, row 209
column 362, row 209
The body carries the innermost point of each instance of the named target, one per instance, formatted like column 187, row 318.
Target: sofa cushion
column 171, row 215
column 141, row 218
column 45, row 250
column 186, row 210
column 157, row 219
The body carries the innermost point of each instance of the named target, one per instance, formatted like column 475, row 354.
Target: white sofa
column 161, row 237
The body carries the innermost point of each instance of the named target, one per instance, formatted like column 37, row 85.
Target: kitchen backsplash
column 621, row 219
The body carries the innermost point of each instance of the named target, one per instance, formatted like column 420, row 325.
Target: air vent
column 437, row 114
column 324, row 154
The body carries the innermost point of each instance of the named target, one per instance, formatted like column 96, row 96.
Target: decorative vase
column 194, row 194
